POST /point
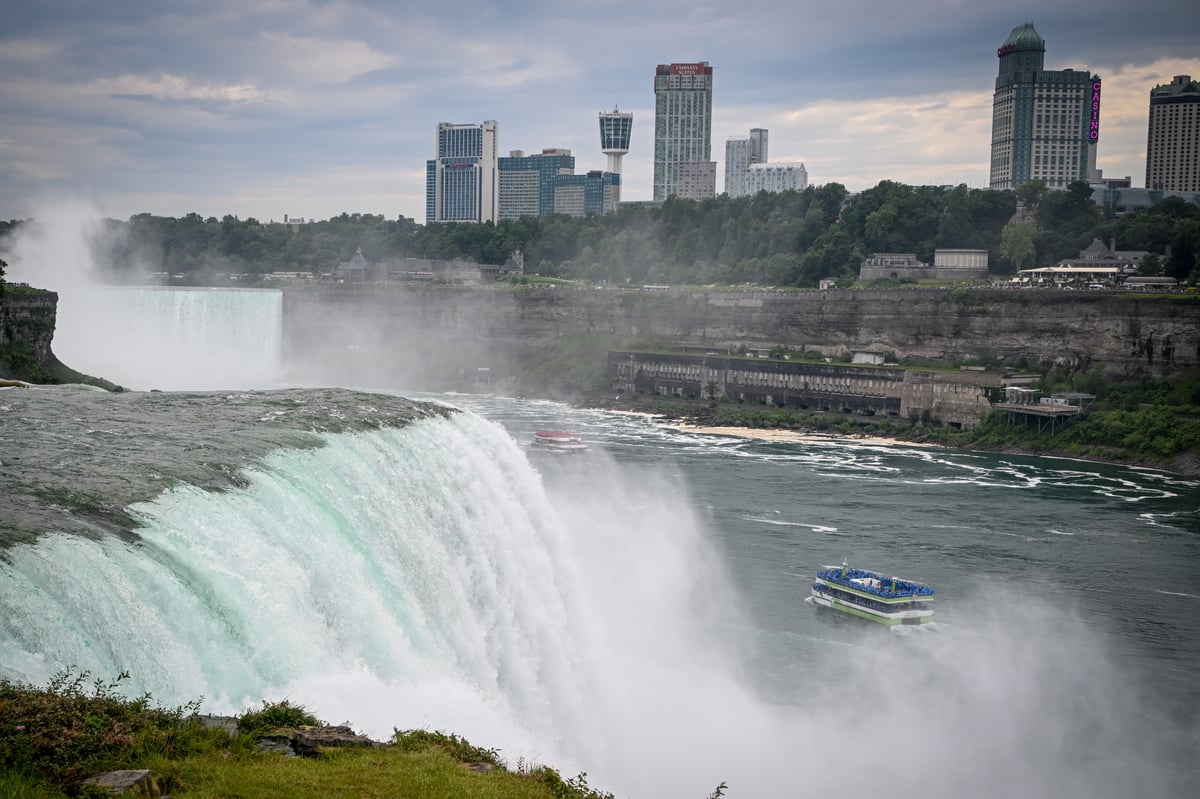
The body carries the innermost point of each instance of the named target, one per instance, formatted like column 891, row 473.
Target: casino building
column 1045, row 123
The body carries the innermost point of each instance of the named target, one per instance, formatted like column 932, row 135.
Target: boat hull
column 557, row 442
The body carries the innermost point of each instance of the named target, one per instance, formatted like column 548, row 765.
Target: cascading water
column 414, row 577
column 427, row 576
column 172, row 338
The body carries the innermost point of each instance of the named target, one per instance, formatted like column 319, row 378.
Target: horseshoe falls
column 172, row 338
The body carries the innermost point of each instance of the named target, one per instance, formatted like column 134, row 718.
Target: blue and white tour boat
column 874, row 596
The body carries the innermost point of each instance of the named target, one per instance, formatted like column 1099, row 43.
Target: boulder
column 139, row 783
column 309, row 741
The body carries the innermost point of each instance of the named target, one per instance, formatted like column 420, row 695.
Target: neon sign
column 1005, row 50
column 1094, row 126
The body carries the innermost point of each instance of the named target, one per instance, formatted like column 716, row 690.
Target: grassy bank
column 54, row 736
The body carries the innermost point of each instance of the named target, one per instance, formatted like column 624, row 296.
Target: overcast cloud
column 261, row 109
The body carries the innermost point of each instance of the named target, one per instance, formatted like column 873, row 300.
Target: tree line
column 786, row 239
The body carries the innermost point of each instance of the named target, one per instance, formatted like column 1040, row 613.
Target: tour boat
column 558, row 441
column 871, row 595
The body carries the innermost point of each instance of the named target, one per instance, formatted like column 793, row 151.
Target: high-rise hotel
column 740, row 153
column 683, row 164
column 1045, row 123
column 1173, row 140
column 462, row 183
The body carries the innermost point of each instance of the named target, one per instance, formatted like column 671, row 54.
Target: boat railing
column 890, row 587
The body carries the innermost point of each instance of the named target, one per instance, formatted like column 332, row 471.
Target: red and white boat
column 558, row 441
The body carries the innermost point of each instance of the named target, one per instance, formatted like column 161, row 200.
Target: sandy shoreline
column 763, row 434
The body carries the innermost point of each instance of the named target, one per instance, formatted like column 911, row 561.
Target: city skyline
column 311, row 109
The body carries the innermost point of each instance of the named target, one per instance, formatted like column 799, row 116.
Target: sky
column 267, row 108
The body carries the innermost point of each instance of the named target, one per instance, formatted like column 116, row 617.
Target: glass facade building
column 682, row 127
column 546, row 183
column 593, row 193
column 527, row 182
column 462, row 182
column 1045, row 123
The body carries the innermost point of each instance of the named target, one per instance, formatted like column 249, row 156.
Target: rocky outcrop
column 27, row 319
column 27, row 322
column 310, row 741
column 134, row 783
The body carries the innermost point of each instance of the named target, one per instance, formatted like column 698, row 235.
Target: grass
column 387, row 771
column 54, row 736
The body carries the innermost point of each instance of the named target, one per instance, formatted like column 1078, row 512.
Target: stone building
column 948, row 264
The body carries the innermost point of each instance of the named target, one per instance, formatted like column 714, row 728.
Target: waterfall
column 421, row 577
column 172, row 338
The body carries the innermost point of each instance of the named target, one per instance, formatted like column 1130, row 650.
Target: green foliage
column 1018, row 243
column 61, row 732
column 574, row 788
column 458, row 748
column 1067, row 221
column 571, row 366
column 785, row 239
column 274, row 715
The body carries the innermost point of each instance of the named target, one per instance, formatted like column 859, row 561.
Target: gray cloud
column 311, row 108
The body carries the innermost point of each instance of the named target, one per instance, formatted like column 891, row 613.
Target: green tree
column 1018, row 243
column 1150, row 265
column 1030, row 195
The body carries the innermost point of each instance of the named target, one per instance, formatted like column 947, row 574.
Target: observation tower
column 615, row 128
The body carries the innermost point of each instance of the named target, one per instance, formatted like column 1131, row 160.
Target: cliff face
column 27, row 318
column 436, row 337
column 447, row 331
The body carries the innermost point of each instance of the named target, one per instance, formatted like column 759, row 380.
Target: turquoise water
column 638, row 612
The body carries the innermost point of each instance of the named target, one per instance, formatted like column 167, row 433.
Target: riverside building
column 1173, row 137
column 683, row 132
column 1045, row 123
column 462, row 181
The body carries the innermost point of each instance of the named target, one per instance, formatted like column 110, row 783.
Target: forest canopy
column 785, row 239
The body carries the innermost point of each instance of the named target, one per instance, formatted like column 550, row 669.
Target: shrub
column 458, row 748
column 64, row 731
column 274, row 715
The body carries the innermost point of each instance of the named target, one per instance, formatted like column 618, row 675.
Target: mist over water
column 174, row 339
column 637, row 614
column 143, row 337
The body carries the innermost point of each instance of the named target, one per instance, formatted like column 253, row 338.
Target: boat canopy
column 874, row 583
